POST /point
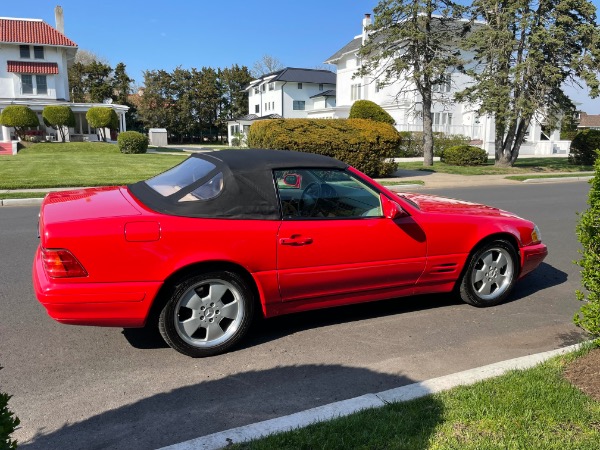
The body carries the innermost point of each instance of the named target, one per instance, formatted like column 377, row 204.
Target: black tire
column 207, row 314
column 490, row 275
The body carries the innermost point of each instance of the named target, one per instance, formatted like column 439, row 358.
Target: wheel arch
column 503, row 235
column 184, row 272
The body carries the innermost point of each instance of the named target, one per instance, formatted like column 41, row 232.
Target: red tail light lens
column 59, row 263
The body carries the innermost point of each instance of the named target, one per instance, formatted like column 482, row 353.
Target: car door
column 335, row 241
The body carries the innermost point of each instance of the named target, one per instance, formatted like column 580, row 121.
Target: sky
column 152, row 35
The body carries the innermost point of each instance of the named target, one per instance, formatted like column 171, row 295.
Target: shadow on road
column 544, row 277
column 211, row 406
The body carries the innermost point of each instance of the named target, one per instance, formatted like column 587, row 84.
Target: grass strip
column 561, row 175
column 530, row 409
column 75, row 164
column 523, row 165
column 18, row 195
column 399, row 183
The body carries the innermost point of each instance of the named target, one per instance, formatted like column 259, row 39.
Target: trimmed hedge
column 412, row 143
column 366, row 109
column 584, row 147
column 132, row 142
column 19, row 117
column 464, row 155
column 364, row 144
column 588, row 232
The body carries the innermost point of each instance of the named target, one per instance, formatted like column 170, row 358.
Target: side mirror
column 292, row 180
column 391, row 209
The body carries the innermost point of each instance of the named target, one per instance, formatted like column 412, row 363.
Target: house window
column 378, row 86
column 24, row 50
column 257, row 108
column 444, row 85
column 40, row 87
column 355, row 92
column 262, row 88
column 41, row 84
column 38, row 52
column 299, row 105
column 256, row 90
column 271, row 86
column 442, row 119
column 320, row 86
column 272, row 105
column 26, row 84
column 299, row 85
column 265, row 107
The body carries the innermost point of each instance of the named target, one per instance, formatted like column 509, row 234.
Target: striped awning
column 32, row 67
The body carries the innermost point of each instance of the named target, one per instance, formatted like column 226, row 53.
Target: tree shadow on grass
column 244, row 398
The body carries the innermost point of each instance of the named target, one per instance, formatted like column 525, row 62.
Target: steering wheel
column 309, row 199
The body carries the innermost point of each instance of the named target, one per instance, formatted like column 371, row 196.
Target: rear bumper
column 531, row 257
column 100, row 304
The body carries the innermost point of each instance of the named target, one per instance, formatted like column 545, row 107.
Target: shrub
column 132, row 142
column 366, row 109
column 584, row 146
column 8, row 423
column 588, row 232
column 412, row 143
column 101, row 117
column 58, row 117
column 364, row 144
column 464, row 155
column 19, row 117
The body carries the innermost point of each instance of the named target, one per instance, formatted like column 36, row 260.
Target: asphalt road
column 85, row 387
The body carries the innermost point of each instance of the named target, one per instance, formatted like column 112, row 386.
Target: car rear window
column 183, row 175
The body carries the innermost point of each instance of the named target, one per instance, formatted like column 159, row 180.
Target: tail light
column 60, row 263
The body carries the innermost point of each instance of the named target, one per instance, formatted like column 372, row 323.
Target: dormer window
column 24, row 49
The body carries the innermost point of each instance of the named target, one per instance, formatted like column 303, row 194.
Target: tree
column 267, row 64
column 19, row 117
column 234, row 98
column 90, row 78
column 414, row 42
column 121, row 85
column 523, row 55
column 100, row 117
column 58, row 117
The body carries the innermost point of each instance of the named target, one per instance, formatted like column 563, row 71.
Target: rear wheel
column 490, row 275
column 207, row 314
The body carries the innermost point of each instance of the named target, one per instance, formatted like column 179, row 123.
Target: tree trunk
column 427, row 130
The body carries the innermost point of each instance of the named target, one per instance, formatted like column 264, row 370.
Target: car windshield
column 186, row 173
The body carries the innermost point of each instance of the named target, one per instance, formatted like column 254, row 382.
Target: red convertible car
column 203, row 247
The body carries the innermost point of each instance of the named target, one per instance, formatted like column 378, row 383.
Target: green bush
column 584, row 146
column 132, row 142
column 8, row 423
column 58, row 117
column 588, row 232
column 412, row 143
column 364, row 144
column 19, row 117
column 101, row 117
column 464, row 155
column 366, row 109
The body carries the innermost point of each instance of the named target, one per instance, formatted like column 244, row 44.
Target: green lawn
column 49, row 165
column 524, row 165
column 530, row 409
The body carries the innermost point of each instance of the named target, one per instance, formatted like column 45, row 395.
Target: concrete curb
column 353, row 405
column 21, row 202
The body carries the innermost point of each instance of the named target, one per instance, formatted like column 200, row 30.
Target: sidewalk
column 432, row 180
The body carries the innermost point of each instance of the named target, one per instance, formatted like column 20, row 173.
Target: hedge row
column 412, row 143
column 464, row 155
column 364, row 144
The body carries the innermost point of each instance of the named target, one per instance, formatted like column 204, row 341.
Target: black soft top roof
column 248, row 185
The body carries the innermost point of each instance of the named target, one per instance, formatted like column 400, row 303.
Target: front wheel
column 207, row 314
column 490, row 275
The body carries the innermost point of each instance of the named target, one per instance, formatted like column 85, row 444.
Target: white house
column 402, row 102
column 34, row 58
column 287, row 93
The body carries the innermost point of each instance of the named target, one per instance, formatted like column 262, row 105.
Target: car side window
column 324, row 194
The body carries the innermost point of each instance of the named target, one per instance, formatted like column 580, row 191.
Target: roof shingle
column 28, row 31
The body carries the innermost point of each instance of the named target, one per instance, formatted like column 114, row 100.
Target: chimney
column 365, row 23
column 59, row 18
